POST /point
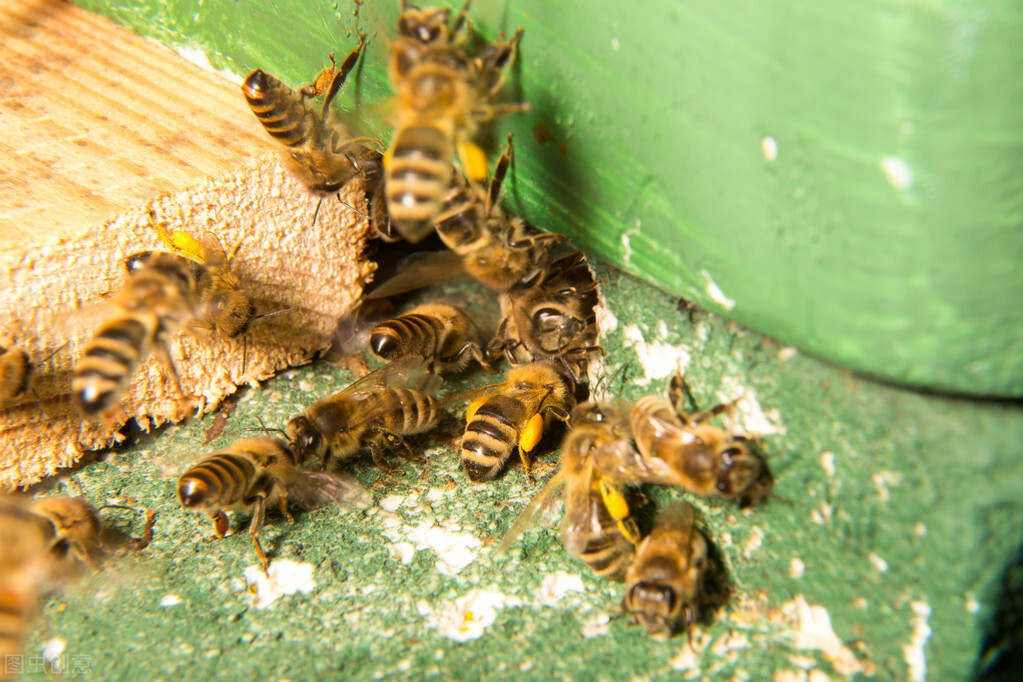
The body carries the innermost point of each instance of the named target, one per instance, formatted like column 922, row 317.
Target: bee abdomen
column 412, row 334
column 418, row 411
column 102, row 374
column 15, row 371
column 15, row 613
column 608, row 554
column 490, row 437
column 278, row 108
column 220, row 480
column 418, row 177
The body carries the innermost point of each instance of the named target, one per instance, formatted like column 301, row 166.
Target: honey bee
column 321, row 152
column 441, row 334
column 663, row 585
column 368, row 414
column 550, row 315
column 43, row 544
column 513, row 414
column 253, row 473
column 597, row 527
column 15, row 373
column 496, row 249
column 675, row 448
column 443, row 95
column 158, row 298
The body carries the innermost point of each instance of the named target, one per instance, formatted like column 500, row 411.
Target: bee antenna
column 344, row 203
column 267, row 430
column 317, row 211
column 275, row 312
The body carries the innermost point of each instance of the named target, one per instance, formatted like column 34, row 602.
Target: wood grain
column 99, row 126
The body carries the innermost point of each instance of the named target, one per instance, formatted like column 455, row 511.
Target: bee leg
column 220, row 523
column 475, row 351
column 528, row 439
column 282, row 505
column 140, row 543
column 258, row 503
column 163, row 353
column 396, row 443
column 701, row 417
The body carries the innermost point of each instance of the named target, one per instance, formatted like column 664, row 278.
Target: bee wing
column 311, row 489
column 421, row 270
column 678, row 514
column 540, row 503
column 470, row 394
column 353, row 330
column 581, row 518
column 407, row 372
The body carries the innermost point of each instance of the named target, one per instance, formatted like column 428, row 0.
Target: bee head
column 740, row 468
column 306, row 440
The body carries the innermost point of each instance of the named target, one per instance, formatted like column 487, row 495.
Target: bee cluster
column 547, row 334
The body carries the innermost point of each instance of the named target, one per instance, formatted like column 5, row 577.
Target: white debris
column 401, row 551
column 828, row 463
column 628, row 248
column 919, row 529
column 786, row 353
column 170, row 600
column 913, row 652
column 606, row 320
column 879, row 564
column 391, row 503
column 53, row 648
column 686, row 659
column 615, row 44
column 714, row 291
column 658, row 359
column 596, row 626
column 769, row 148
column 470, row 615
column 796, row 567
column 434, row 495
column 747, row 416
column 556, row 585
column 883, row 479
column 286, row 577
column 896, row 171
column 454, row 550
column 972, row 605
column 304, row 385
column 815, row 632
column 755, row 542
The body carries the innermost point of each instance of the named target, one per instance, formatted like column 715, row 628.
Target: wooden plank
column 99, row 126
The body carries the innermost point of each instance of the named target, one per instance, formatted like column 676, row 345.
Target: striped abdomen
column 103, row 372
column 491, row 436
column 418, row 175
column 411, row 334
column 281, row 110
column 599, row 543
column 15, row 370
column 16, row 610
column 403, row 411
column 220, row 481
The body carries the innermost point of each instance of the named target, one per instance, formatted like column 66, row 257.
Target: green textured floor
column 899, row 536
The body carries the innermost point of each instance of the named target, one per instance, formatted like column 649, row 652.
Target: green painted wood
column 885, row 233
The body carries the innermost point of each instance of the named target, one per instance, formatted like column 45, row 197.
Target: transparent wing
column 536, row 506
column 311, row 489
column 421, row 270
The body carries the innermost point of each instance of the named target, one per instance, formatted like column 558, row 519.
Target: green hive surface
column 898, row 537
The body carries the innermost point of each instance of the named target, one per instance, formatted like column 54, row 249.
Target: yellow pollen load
column 532, row 433
column 474, row 161
column 181, row 242
column 470, row 412
column 616, row 505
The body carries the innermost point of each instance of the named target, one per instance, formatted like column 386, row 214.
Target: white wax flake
column 883, row 479
column 769, row 148
column 556, row 585
column 662, row 329
column 404, row 665
column 714, row 291
column 879, row 564
column 755, row 542
column 914, row 651
column 596, row 626
column 53, row 649
column 470, row 615
column 815, row 632
column 730, row 641
column 304, row 385
column 786, row 353
column 401, row 551
column 896, row 171
column 972, row 605
column 391, row 503
column 197, row 56
column 919, row 529
column 796, row 568
column 747, row 416
column 818, row 676
column 861, row 603
column 454, row 550
column 606, row 320
column 423, row 607
column 286, row 577
column 170, row 600
column 659, row 360
column 686, row 659
column 615, row 44
column 828, row 463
